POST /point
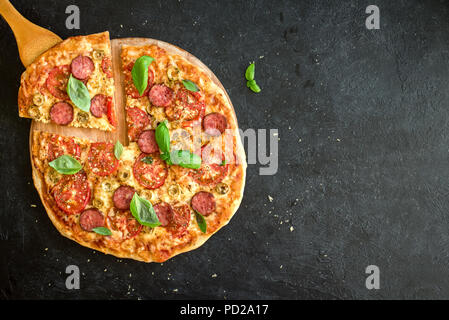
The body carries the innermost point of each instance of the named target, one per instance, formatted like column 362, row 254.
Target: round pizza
column 177, row 181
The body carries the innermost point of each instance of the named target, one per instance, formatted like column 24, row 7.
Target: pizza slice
column 71, row 84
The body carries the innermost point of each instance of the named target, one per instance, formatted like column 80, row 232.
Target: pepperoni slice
column 72, row 193
column 130, row 88
column 215, row 124
column 101, row 158
column 99, row 105
column 57, row 80
column 90, row 219
column 180, row 220
column 188, row 106
column 122, row 197
column 106, row 66
column 160, row 95
column 150, row 176
column 212, row 170
column 164, row 213
column 137, row 120
column 61, row 113
column 82, row 67
column 58, row 146
column 124, row 223
column 203, row 202
column 147, row 142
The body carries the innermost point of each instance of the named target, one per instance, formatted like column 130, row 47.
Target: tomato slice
column 188, row 106
column 72, row 193
column 101, row 158
column 57, row 80
column 111, row 112
column 150, row 176
column 123, row 222
column 212, row 170
column 58, row 146
column 130, row 88
column 137, row 120
column 106, row 66
column 179, row 220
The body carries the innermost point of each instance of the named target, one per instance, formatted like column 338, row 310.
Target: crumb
column 214, row 275
column 33, row 206
column 291, row 229
column 270, row 198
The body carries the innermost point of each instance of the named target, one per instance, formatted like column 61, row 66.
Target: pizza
column 43, row 94
column 177, row 182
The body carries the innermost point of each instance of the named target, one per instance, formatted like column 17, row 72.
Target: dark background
column 363, row 119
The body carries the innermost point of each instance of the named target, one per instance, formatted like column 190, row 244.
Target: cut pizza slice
column 71, row 84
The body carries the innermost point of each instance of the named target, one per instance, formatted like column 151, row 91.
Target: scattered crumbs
column 338, row 140
column 280, row 222
column 49, row 284
column 46, row 249
column 281, row 266
column 36, row 220
column 105, row 270
column 261, row 57
column 121, row 26
column 291, row 229
column 175, row 290
column 289, row 127
column 33, row 206
column 270, row 198
column 88, row 260
column 214, row 275
column 130, row 275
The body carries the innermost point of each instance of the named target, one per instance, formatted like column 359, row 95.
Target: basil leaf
column 223, row 163
column 140, row 73
column 190, row 85
column 103, row 231
column 253, row 86
column 143, row 211
column 118, row 149
column 78, row 93
column 66, row 164
column 185, row 159
column 249, row 74
column 201, row 221
column 163, row 137
column 148, row 160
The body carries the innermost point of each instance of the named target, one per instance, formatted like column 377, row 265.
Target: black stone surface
column 363, row 120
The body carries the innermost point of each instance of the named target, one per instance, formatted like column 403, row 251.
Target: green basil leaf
column 118, row 150
column 253, row 86
column 190, row 85
column 103, row 231
column 185, row 159
column 66, row 164
column 148, row 160
column 143, row 211
column 202, row 224
column 223, row 163
column 249, row 74
column 140, row 73
column 163, row 137
column 78, row 93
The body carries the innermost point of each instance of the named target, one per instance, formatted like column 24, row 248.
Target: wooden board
column 120, row 98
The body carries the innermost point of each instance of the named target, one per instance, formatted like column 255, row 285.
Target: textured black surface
column 363, row 154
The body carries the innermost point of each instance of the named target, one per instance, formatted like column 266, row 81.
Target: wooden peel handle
column 32, row 40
